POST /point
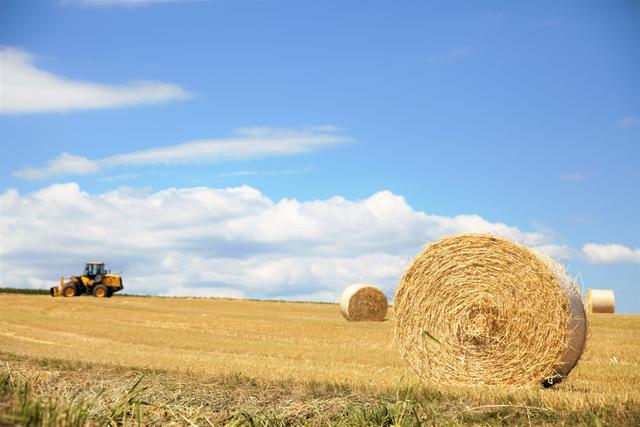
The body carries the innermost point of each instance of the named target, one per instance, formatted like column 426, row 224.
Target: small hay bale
column 479, row 309
column 363, row 302
column 600, row 301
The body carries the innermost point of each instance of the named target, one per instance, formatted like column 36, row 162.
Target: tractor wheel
column 100, row 291
column 69, row 291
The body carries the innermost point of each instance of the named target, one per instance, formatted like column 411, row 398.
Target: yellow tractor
column 95, row 280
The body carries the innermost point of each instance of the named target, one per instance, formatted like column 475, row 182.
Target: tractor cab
column 94, row 269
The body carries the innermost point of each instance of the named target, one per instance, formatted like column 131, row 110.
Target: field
column 216, row 361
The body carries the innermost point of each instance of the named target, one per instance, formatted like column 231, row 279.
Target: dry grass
column 266, row 340
column 477, row 308
column 226, row 362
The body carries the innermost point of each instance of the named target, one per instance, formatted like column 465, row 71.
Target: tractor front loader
column 94, row 281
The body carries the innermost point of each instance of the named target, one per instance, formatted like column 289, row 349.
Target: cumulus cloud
column 558, row 252
column 182, row 291
column 223, row 242
column 610, row 253
column 245, row 144
column 28, row 89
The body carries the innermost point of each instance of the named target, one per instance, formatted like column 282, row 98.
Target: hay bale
column 479, row 309
column 600, row 301
column 363, row 302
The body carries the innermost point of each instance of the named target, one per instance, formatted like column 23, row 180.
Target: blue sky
column 358, row 126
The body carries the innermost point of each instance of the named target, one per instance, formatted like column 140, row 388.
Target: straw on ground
column 227, row 361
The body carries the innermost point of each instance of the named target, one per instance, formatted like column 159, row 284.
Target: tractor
column 94, row 280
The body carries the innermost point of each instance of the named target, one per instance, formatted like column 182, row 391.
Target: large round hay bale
column 363, row 302
column 601, row 301
column 479, row 309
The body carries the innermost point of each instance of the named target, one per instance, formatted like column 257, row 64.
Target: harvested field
column 227, row 361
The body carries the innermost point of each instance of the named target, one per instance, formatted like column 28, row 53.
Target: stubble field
column 215, row 361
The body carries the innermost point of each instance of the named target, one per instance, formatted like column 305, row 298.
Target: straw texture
column 363, row 302
column 601, row 301
column 480, row 309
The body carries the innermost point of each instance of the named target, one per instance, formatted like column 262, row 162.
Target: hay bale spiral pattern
column 363, row 302
column 479, row 309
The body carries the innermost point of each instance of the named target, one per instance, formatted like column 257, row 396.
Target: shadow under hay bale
column 479, row 309
column 600, row 301
column 362, row 302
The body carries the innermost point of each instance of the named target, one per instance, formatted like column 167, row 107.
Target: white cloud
column 629, row 122
column 223, row 242
column 247, row 143
column 121, row 177
column 59, row 166
column 576, row 176
column 265, row 172
column 558, row 252
column 610, row 253
column 182, row 291
column 450, row 55
column 119, row 2
column 28, row 89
